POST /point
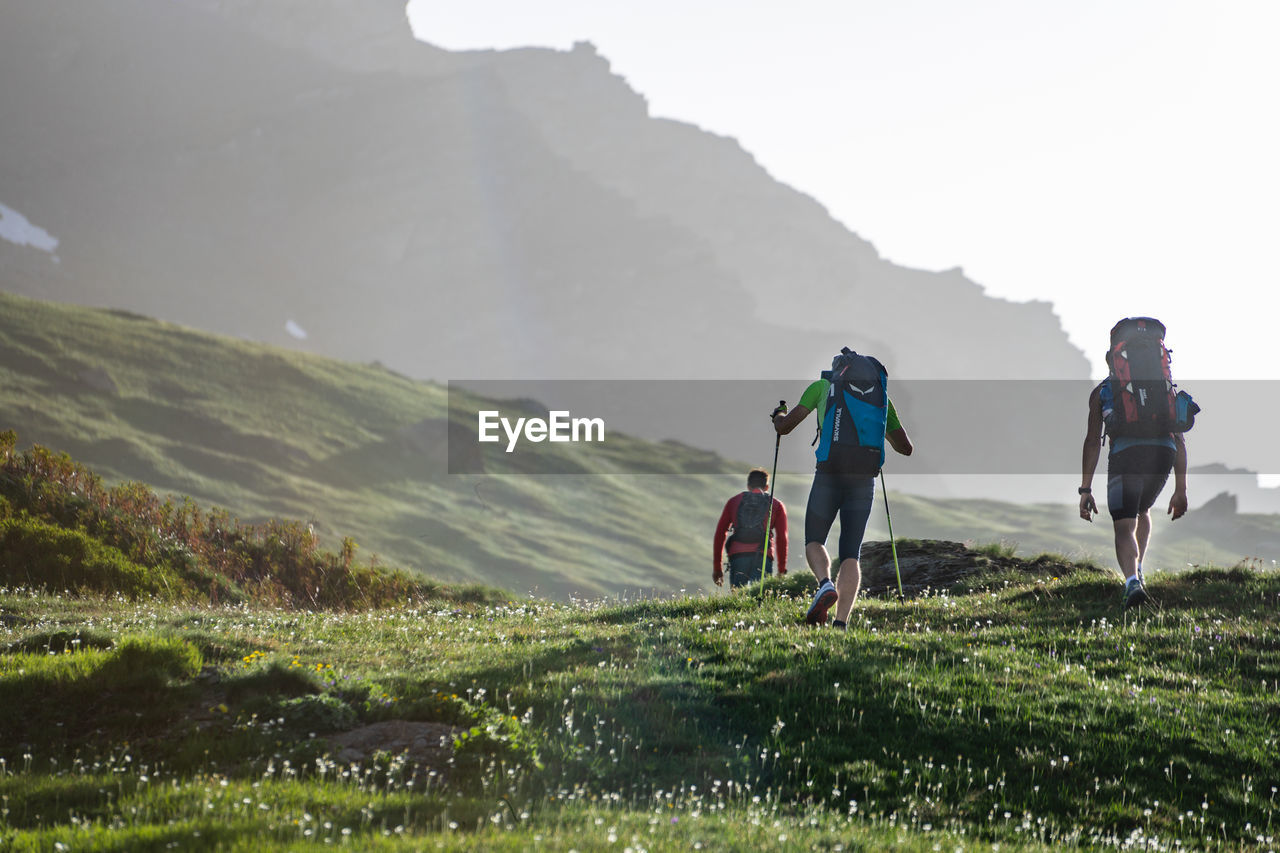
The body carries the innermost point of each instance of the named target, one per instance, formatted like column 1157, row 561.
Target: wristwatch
column 1084, row 490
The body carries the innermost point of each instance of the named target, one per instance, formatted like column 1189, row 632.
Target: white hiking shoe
column 822, row 601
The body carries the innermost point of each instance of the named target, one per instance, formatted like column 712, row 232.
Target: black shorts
column 848, row 495
column 1135, row 477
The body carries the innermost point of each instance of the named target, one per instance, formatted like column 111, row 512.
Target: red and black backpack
column 1139, row 398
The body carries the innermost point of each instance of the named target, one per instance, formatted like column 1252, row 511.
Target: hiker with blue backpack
column 855, row 417
column 1143, row 415
column 745, row 515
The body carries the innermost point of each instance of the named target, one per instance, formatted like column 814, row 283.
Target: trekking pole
column 773, row 478
column 893, row 545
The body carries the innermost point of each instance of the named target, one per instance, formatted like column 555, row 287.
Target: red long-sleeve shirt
column 777, row 540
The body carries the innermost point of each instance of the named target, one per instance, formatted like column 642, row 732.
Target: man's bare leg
column 848, row 582
column 815, row 553
column 1127, row 545
column 1143, row 534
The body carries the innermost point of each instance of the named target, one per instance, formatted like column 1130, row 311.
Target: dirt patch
column 428, row 744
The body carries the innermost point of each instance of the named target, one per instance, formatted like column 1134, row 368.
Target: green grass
column 37, row 553
column 1031, row 712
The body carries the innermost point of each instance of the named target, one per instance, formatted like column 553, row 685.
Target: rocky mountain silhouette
column 308, row 174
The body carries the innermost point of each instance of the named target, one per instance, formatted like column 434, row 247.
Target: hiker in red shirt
column 746, row 512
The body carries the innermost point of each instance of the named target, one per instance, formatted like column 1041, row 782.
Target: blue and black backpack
column 851, row 436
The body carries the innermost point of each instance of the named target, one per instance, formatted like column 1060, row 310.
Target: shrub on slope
column 62, row 528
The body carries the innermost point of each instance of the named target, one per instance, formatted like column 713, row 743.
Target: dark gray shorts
column 1135, row 477
column 745, row 568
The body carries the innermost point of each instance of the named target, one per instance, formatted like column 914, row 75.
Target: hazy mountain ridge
column 789, row 253
column 449, row 214
column 782, row 245
column 367, row 36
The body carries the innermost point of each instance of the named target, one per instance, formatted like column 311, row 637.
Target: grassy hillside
column 1200, row 538
column 354, row 450
column 358, row 451
column 1021, row 708
column 170, row 677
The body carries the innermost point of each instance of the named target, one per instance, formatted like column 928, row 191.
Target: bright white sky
column 1115, row 157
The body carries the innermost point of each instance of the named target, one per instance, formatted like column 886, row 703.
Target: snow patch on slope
column 16, row 228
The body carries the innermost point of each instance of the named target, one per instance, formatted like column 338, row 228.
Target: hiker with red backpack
column 1143, row 415
column 855, row 418
column 746, row 514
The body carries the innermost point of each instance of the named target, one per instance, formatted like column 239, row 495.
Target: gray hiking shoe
column 822, row 601
column 1134, row 593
